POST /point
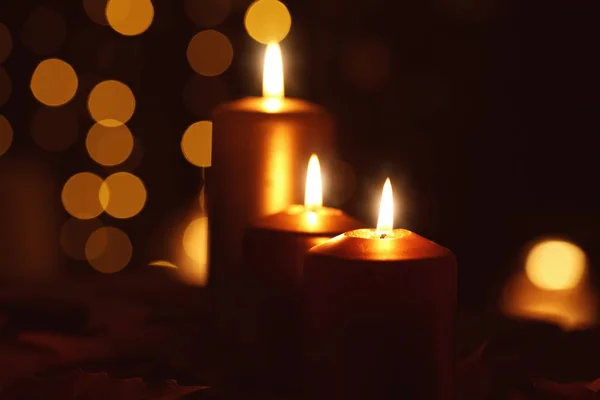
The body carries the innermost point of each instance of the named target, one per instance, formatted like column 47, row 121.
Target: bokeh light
column 123, row 195
column 162, row 263
column 45, row 31
column 5, row 42
column 210, row 53
column 196, row 247
column 74, row 235
column 207, row 13
column 555, row 265
column 130, row 17
column 111, row 103
column 81, row 195
column 54, row 129
column 54, row 82
column 109, row 145
column 6, row 134
column 268, row 21
column 108, row 250
column 5, row 86
column 196, row 144
column 96, row 11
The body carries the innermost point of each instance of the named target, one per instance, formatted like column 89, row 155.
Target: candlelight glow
column 555, row 265
column 273, row 87
column 385, row 222
column 313, row 194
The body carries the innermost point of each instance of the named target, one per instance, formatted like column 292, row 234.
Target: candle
column 259, row 145
column 274, row 249
column 380, row 306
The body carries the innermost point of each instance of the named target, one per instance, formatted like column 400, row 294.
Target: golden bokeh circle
column 54, row 128
column 6, row 134
column 210, row 53
column 44, row 31
column 111, row 103
column 81, row 195
column 5, row 86
column 108, row 145
column 207, row 13
column 108, row 250
column 5, row 42
column 123, row 195
column 96, row 11
column 195, row 240
column 196, row 144
column 130, row 17
column 268, row 21
column 555, row 265
column 74, row 235
column 54, row 82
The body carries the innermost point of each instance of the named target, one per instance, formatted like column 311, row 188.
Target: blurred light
column 44, row 31
column 210, row 53
column 96, row 11
column 268, row 21
column 196, row 144
column 74, row 235
column 123, row 195
column 162, row 263
column 367, row 63
column 385, row 222
column 196, row 246
column 54, row 82
column 202, row 94
column 111, row 103
column 108, row 250
column 555, row 265
column 81, row 195
column 130, row 17
column 207, row 13
column 5, row 86
column 281, row 171
column 5, row 42
column 109, row 145
column 6, row 134
column 54, row 129
column 313, row 192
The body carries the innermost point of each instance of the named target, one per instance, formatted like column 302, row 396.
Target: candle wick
column 383, row 236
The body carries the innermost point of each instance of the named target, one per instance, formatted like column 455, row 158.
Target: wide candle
column 274, row 249
column 259, row 146
column 380, row 307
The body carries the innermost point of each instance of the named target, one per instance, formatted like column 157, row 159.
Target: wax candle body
column 380, row 317
column 274, row 249
column 258, row 153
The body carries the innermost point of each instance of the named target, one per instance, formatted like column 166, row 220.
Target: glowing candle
column 274, row 249
column 380, row 306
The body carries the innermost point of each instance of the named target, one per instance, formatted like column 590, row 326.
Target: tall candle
column 259, row 146
column 274, row 249
column 380, row 306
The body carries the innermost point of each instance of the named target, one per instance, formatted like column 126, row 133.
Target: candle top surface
column 299, row 219
column 265, row 105
column 371, row 245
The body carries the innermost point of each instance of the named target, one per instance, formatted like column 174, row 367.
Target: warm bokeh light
column 6, row 134
column 5, row 42
column 196, row 144
column 130, row 17
column 55, row 128
column 81, row 195
column 123, row 195
column 96, row 11
column 74, row 235
column 44, row 31
column 108, row 250
column 207, row 13
column 268, row 21
column 196, row 247
column 109, row 145
column 210, row 53
column 111, row 103
column 555, row 265
column 385, row 222
column 162, row 263
column 5, row 86
column 313, row 192
column 54, row 82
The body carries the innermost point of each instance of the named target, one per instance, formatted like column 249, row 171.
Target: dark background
column 484, row 113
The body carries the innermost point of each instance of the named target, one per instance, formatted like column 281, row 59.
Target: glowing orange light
column 273, row 86
column 313, row 194
column 555, row 265
column 385, row 222
column 268, row 21
column 196, row 247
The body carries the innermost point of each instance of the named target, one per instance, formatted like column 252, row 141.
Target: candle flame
column 385, row 222
column 273, row 87
column 313, row 194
